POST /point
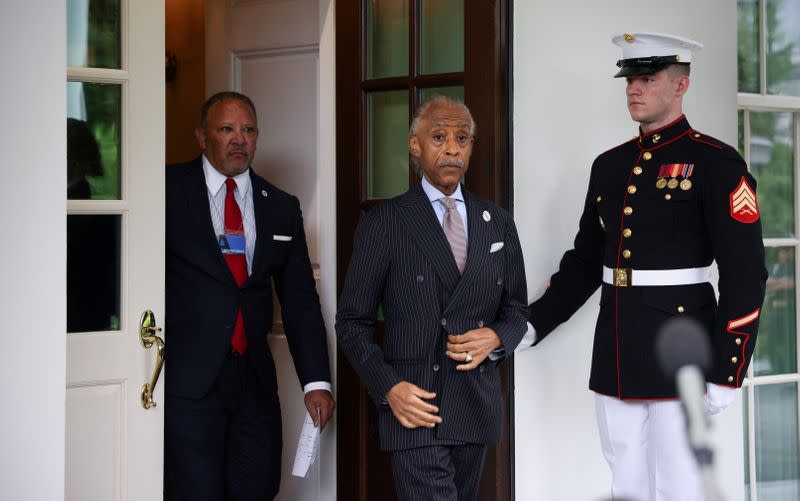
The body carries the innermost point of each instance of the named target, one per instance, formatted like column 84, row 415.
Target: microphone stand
column 691, row 387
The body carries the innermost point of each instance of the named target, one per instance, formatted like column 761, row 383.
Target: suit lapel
column 264, row 212
column 421, row 223
column 198, row 207
column 478, row 241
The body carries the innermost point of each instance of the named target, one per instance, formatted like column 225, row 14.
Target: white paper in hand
column 307, row 448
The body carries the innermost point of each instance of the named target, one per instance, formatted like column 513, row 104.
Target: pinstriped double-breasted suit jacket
column 403, row 263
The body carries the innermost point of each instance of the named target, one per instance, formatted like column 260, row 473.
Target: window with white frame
column 769, row 140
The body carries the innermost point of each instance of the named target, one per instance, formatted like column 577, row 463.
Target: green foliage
column 776, row 193
column 779, row 66
column 104, row 111
column 747, row 46
column 104, row 34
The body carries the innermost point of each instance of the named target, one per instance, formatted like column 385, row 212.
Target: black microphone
column 684, row 353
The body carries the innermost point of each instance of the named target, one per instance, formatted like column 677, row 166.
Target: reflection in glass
column 782, row 46
column 93, row 128
column 455, row 91
column 776, row 350
column 387, row 38
column 777, row 467
column 93, row 33
column 93, row 272
column 441, row 36
column 387, row 143
column 748, row 52
column 771, row 160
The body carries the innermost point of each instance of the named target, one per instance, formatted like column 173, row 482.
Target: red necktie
column 236, row 262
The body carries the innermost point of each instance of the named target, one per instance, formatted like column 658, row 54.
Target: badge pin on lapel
column 264, row 193
column 486, row 216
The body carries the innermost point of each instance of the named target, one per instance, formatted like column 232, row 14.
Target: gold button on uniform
column 738, row 340
column 734, row 360
column 627, row 233
column 599, row 199
column 626, row 254
column 667, row 197
column 681, row 309
column 631, row 189
column 637, row 170
column 730, row 379
column 647, row 155
column 628, row 211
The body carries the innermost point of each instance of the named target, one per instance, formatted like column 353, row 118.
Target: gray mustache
column 450, row 162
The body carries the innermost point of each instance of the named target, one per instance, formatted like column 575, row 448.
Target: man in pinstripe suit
column 444, row 266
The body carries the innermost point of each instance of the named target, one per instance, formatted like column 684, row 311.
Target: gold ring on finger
column 468, row 358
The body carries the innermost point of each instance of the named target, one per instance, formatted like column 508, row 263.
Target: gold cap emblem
column 629, row 38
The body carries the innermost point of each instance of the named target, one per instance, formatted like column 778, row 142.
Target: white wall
column 33, row 255
column 567, row 110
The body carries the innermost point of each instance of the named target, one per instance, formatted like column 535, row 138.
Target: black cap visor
column 645, row 65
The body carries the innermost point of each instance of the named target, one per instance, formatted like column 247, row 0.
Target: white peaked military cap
column 647, row 53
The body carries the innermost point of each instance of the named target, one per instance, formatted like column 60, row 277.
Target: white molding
column 781, row 242
column 96, row 75
column 237, row 56
column 774, row 379
column 768, row 102
column 97, row 206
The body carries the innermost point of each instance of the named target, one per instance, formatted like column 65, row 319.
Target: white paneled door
column 115, row 249
column 270, row 52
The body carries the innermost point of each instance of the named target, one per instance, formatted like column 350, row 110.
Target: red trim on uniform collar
column 664, row 135
column 698, row 140
column 642, row 136
column 665, row 142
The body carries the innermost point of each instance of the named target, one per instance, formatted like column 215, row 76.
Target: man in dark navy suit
column 444, row 265
column 222, row 417
column 659, row 209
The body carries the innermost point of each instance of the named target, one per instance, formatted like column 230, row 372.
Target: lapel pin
column 264, row 193
column 486, row 216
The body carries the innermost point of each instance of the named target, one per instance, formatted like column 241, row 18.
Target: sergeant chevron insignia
column 744, row 204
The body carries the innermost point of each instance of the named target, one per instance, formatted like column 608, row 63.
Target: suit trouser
column 646, row 446
column 226, row 445
column 438, row 472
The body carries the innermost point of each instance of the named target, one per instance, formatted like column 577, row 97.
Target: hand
column 320, row 405
column 408, row 406
column 478, row 343
column 718, row 397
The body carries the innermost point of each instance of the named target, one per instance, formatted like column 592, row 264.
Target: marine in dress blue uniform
column 660, row 208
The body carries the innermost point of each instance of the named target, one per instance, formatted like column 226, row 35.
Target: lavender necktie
column 453, row 227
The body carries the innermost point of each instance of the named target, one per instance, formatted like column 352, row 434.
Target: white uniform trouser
column 646, row 447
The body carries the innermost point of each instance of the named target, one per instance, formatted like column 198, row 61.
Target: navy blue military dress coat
column 671, row 199
column 403, row 263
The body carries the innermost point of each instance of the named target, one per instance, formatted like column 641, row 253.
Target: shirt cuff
column 528, row 340
column 497, row 354
column 318, row 385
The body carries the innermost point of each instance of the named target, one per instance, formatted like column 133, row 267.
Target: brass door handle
column 147, row 335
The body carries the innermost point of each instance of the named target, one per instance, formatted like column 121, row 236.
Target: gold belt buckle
column 623, row 277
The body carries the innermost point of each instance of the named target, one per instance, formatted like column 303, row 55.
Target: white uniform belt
column 627, row 277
